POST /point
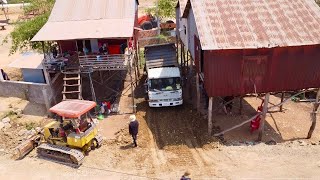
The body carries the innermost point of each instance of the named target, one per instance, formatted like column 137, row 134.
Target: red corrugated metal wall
column 238, row 72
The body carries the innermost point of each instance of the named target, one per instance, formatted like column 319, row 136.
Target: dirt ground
column 173, row 140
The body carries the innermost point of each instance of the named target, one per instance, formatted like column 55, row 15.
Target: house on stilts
column 241, row 47
column 89, row 47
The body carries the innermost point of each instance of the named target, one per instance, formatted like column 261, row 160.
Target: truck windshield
column 165, row 84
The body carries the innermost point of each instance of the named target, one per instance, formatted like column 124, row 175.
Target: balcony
column 105, row 62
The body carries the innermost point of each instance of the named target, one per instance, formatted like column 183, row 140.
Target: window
column 165, row 84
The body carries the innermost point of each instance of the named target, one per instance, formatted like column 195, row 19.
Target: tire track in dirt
column 166, row 127
column 157, row 156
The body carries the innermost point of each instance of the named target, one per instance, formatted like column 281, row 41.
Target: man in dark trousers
column 134, row 129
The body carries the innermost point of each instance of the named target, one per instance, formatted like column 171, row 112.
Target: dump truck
column 163, row 83
column 68, row 139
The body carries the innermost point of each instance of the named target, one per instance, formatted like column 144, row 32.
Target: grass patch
column 30, row 126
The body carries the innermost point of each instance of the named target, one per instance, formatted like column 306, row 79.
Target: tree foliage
column 163, row 9
column 25, row 30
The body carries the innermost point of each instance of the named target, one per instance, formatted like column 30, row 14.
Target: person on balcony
column 104, row 49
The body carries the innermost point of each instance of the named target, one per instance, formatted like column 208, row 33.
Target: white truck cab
column 164, row 87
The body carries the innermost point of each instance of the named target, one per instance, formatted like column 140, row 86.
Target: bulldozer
column 68, row 139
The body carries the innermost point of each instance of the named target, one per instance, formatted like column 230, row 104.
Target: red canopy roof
column 72, row 108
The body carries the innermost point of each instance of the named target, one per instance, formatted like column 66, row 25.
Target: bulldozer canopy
column 72, row 108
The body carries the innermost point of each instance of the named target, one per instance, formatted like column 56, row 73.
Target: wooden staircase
column 71, row 85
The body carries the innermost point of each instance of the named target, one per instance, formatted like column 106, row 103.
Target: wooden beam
column 314, row 115
column 263, row 116
column 198, row 91
column 210, row 116
column 282, row 97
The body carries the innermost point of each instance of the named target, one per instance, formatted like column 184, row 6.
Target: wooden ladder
column 71, row 85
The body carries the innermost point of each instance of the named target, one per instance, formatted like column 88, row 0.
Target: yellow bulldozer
column 69, row 138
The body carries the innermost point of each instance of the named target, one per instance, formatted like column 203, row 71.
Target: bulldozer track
column 60, row 154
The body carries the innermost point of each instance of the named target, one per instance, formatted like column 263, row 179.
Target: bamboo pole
column 210, row 116
column 314, row 115
column 263, row 116
column 132, row 92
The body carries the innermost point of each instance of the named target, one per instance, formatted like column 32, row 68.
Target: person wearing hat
column 134, row 129
column 186, row 176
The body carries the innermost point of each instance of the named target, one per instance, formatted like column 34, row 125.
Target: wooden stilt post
column 181, row 55
column 241, row 105
column 198, row 91
column 210, row 116
column 132, row 92
column 135, row 72
column 263, row 116
column 282, row 97
column 137, row 63
column 314, row 115
column 177, row 46
column 188, row 62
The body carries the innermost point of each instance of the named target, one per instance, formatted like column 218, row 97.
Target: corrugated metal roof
column 28, row 60
column 163, row 72
column 89, row 19
column 241, row 24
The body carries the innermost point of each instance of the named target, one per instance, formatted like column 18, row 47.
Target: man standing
column 134, row 129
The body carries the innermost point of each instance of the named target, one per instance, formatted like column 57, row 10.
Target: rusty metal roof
column 89, row 19
column 241, row 24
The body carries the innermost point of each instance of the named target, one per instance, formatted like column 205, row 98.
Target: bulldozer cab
column 72, row 109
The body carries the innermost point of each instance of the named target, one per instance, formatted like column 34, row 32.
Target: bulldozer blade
column 27, row 146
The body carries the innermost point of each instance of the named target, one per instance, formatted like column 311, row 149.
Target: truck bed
column 163, row 55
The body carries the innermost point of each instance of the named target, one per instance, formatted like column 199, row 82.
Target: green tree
column 163, row 9
column 25, row 30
